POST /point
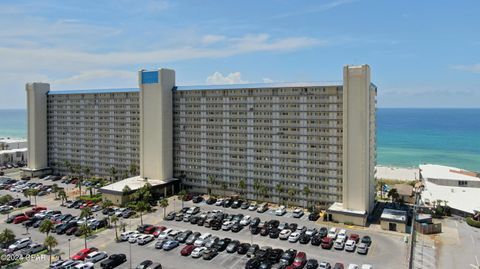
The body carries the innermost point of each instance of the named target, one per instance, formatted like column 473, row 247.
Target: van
column 262, row 208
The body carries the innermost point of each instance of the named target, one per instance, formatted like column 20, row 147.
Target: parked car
column 201, row 240
column 327, row 243
column 339, row 244
column 233, row 246
column 82, row 254
column 253, row 206
column 96, row 256
column 332, row 233
column 187, row 250
column 209, row 253
column 19, row 244
column 144, row 264
column 252, row 250
column 197, row 199
column 297, row 213
column 314, row 216
column 33, row 249
column 222, row 244
column 293, row 238
column 311, row 264
column 366, row 240
column 350, row 245
column 211, row 201
column 113, row 261
column 362, row 248
column 145, row 239
column 300, row 260
column 280, row 211
column 198, row 252
column 262, row 208
column 170, row 244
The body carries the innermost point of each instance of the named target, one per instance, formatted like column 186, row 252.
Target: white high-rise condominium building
column 301, row 143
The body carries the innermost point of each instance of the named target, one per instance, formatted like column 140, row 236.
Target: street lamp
column 130, row 253
column 69, row 247
column 174, row 204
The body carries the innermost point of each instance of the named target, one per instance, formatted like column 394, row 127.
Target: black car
column 313, row 216
column 264, row 231
column 75, row 204
column 254, row 222
column 243, row 248
column 113, row 261
column 265, row 264
column 323, row 232
column 128, row 213
column 194, row 219
column 98, row 224
column 141, row 228
column 304, row 239
column 263, row 252
column 274, row 233
column 228, row 203
column 275, row 255
column 14, row 202
column 252, row 250
column 108, row 210
column 245, row 205
column 182, row 237
column 237, row 227
column 37, row 223
column 64, row 227
column 222, row 244
column 200, row 221
column 209, row 253
column 316, row 239
column 311, row 264
column 211, row 201
column 30, row 222
column 23, row 203
column 366, row 240
column 237, row 203
column 273, row 224
column 255, row 230
column 293, row 226
column 144, row 264
column 288, row 256
column 197, row 199
column 253, row 263
column 216, row 225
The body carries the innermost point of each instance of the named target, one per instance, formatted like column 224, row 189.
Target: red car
column 187, row 250
column 327, row 243
column 158, row 230
column 300, row 260
column 150, row 229
column 354, row 237
column 37, row 209
column 20, row 219
column 82, row 254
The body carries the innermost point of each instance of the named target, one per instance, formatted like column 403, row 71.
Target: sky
column 421, row 53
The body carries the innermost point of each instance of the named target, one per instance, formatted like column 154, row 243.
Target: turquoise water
column 406, row 137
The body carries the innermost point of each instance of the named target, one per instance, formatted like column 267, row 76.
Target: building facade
column 285, row 142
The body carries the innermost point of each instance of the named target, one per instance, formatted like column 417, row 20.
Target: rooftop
column 461, row 198
column 9, row 140
column 134, row 183
column 113, row 90
column 404, row 189
column 8, row 151
column 434, row 171
column 394, row 214
column 338, row 207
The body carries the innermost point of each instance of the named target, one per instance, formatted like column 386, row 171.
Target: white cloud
column 315, row 9
column 210, row 39
column 232, row 78
column 474, row 68
column 86, row 77
column 267, row 80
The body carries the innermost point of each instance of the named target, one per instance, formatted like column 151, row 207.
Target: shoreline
column 397, row 173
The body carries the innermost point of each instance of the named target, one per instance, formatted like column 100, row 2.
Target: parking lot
column 387, row 251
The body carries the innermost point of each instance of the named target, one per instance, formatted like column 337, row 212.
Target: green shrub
column 473, row 222
column 95, row 198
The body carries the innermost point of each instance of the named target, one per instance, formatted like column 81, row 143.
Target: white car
column 124, row 236
column 246, row 220
column 350, row 245
column 174, row 233
column 284, row 234
column 145, row 239
column 253, row 207
column 367, row 266
column 119, row 211
column 133, row 237
column 332, row 233
column 96, row 208
column 227, row 225
column 164, row 234
column 294, row 237
column 297, row 213
column 353, row 266
column 86, row 265
column 193, row 210
column 339, row 244
column 96, row 256
column 219, row 202
column 324, row 265
column 201, row 240
column 342, row 234
column 198, row 252
column 70, row 264
column 281, row 211
column 19, row 244
column 5, row 208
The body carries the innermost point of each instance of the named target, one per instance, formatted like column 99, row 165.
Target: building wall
column 265, row 136
column 37, row 125
column 359, row 156
column 455, row 183
column 95, row 130
column 349, row 219
column 401, row 227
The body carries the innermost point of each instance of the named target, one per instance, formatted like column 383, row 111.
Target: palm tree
column 224, row 188
column 141, row 207
column 133, row 169
column 106, row 204
column 86, row 231
column 46, row 226
column 280, row 189
column 28, row 194
column 306, row 192
column 113, row 173
column 164, row 205
column 291, row 192
column 62, row 195
column 256, row 187
column 242, row 185
column 34, row 193
column 50, row 242
column 6, row 237
column 393, row 193
column 86, row 212
column 181, row 195
column 114, row 219
column 211, row 182
column 55, row 190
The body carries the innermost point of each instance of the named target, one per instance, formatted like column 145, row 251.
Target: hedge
column 473, row 222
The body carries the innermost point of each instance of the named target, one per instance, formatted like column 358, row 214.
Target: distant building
column 279, row 137
column 458, row 187
column 394, row 220
column 405, row 193
column 12, row 143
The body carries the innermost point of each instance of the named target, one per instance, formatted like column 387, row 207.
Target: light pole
column 130, row 253
column 69, row 247
column 174, row 204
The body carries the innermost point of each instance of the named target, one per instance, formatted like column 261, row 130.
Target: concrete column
column 156, row 123
column 357, row 175
column 37, row 125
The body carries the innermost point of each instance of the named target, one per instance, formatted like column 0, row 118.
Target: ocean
column 405, row 137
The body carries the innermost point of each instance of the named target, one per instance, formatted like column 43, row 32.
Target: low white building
column 460, row 188
column 13, row 156
column 12, row 143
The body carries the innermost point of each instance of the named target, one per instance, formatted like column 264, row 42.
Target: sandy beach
column 397, row 173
